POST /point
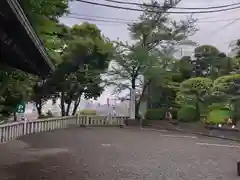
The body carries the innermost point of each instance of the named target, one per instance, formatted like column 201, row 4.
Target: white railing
column 15, row 130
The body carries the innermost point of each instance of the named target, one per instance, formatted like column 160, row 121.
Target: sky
column 210, row 32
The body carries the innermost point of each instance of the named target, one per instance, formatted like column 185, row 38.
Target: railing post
column 1, row 134
column 88, row 119
column 25, row 126
column 77, row 119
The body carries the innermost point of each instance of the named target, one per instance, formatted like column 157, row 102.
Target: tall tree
column 210, row 62
column 85, row 57
column 156, row 32
column 131, row 68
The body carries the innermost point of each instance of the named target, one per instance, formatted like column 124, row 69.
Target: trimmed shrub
column 217, row 106
column 174, row 112
column 88, row 112
column 187, row 113
column 218, row 116
column 155, row 114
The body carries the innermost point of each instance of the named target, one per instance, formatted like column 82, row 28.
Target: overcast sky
column 210, row 32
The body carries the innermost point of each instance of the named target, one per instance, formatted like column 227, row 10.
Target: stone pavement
column 119, row 154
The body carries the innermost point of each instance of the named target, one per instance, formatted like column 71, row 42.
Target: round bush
column 187, row 114
column 217, row 116
column 88, row 112
column 218, row 106
column 155, row 114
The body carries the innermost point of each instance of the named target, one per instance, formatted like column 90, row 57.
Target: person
column 168, row 115
column 230, row 122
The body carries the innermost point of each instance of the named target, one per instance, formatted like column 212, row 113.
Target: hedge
column 155, row 114
column 187, row 113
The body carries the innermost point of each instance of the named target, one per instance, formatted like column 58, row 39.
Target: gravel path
column 117, row 154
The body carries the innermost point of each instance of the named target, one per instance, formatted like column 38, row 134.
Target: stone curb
column 182, row 131
column 204, row 134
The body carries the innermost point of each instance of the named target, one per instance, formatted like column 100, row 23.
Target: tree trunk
column 15, row 116
column 76, row 104
column 39, row 107
column 140, row 99
column 62, row 105
column 133, row 100
column 68, row 108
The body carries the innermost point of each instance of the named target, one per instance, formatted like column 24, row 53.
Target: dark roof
column 21, row 48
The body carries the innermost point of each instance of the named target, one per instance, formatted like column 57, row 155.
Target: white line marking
column 106, row 145
column 157, row 130
column 167, row 135
column 175, row 136
column 218, row 145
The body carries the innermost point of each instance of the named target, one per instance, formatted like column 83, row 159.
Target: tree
column 235, row 48
column 197, row 88
column 210, row 62
column 44, row 15
column 235, row 65
column 131, row 68
column 19, row 86
column 40, row 96
column 154, row 35
column 85, row 58
column 16, row 87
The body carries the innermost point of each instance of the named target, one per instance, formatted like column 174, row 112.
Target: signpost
column 21, row 108
column 20, row 111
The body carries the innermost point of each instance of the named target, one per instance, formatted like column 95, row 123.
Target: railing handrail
column 11, row 124
column 14, row 130
column 56, row 118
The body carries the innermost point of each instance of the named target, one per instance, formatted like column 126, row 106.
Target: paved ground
column 117, row 154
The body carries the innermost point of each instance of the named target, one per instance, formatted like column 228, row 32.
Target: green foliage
column 43, row 15
column 151, row 56
column 82, row 55
column 182, row 99
column 210, row 62
column 198, row 85
column 225, row 84
column 218, row 106
column 187, row 113
column 228, row 87
column 174, row 112
column 85, row 59
column 155, row 114
column 16, row 87
column 88, row 112
column 218, row 116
